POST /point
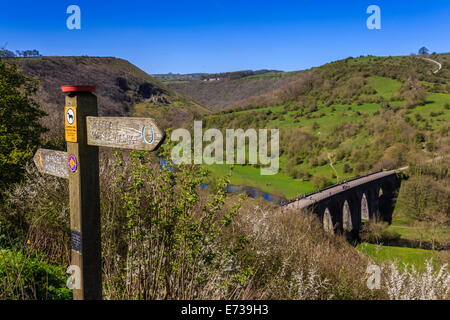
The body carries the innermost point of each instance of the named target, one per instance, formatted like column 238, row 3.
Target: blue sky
column 226, row 35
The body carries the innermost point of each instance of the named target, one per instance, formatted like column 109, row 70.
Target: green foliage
column 378, row 232
column 24, row 277
column 400, row 255
column 162, row 239
column 19, row 124
column 320, row 181
column 425, row 199
column 37, row 211
column 347, row 168
column 315, row 126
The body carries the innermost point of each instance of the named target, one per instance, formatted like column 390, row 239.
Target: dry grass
column 293, row 258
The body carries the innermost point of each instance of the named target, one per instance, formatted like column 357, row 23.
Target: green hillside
column 347, row 118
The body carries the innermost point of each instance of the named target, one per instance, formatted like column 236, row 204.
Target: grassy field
column 279, row 184
column 385, row 87
column 434, row 112
column 401, row 255
column 409, row 230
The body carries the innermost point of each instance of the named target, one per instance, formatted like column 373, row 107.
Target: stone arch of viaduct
column 343, row 207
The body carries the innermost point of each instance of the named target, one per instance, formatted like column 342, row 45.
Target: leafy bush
column 347, row 168
column 19, row 124
column 377, row 232
column 425, row 198
column 161, row 238
column 25, row 277
column 37, row 211
column 320, row 181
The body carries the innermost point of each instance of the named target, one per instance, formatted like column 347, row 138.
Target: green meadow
column 399, row 255
column 278, row 184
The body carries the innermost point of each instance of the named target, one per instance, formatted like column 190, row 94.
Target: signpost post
column 84, row 132
column 83, row 165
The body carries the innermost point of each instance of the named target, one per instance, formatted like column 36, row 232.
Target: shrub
column 346, row 168
column 320, row 181
column 436, row 114
column 410, row 284
column 294, row 258
column 299, row 173
column 25, row 277
column 419, row 137
column 385, row 106
column 162, row 239
column 37, row 211
column 419, row 117
column 424, row 198
column 377, row 232
column 20, row 129
column 430, row 146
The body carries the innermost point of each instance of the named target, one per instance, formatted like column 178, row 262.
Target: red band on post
column 78, row 88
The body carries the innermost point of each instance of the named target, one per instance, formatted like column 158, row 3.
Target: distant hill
column 236, row 74
column 174, row 77
column 122, row 89
column 177, row 76
column 335, row 80
column 222, row 90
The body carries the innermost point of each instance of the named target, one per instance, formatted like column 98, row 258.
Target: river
column 252, row 193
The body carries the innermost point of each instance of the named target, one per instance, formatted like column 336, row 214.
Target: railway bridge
column 343, row 207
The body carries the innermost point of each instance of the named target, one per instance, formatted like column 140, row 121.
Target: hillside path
column 435, row 62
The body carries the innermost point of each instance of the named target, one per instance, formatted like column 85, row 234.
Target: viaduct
column 342, row 208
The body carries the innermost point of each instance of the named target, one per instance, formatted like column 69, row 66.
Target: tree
column 6, row 53
column 320, row 181
column 19, row 124
column 424, row 50
column 425, row 199
column 28, row 53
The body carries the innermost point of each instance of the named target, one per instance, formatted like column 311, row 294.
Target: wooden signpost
column 84, row 133
column 129, row 133
column 52, row 162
